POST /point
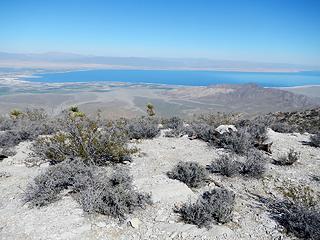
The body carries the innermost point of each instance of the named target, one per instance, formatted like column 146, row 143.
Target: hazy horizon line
column 72, row 60
column 157, row 57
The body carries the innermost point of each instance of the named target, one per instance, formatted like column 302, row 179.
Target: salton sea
column 188, row 78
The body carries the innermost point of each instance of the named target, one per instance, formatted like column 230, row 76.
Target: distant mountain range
column 58, row 60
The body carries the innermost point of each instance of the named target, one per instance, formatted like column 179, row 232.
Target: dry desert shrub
column 299, row 193
column 202, row 131
column 219, row 118
column 215, row 205
column 230, row 165
column 96, row 189
column 254, row 165
column 315, row 178
column 297, row 211
column 25, row 126
column 47, row 186
column 113, row 195
column 226, row 165
column 237, row 142
column 297, row 219
column 190, row 173
column 143, row 128
column 176, row 126
column 315, row 140
column 283, row 127
column 172, row 123
column 288, row 159
column 244, row 139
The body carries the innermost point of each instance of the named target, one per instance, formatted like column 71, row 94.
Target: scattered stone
column 4, row 174
column 173, row 235
column 135, row 222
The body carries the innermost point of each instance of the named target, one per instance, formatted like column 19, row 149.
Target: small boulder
column 226, row 129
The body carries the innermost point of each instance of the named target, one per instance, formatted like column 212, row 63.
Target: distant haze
column 57, row 60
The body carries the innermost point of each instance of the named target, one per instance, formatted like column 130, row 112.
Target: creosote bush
column 86, row 139
column 95, row 188
column 288, row 159
column 215, row 205
column 143, row 128
column 315, row 140
column 190, row 173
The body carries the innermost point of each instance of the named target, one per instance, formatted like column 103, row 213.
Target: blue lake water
column 190, row 78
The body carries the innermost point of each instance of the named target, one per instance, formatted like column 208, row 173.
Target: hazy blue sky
column 272, row 30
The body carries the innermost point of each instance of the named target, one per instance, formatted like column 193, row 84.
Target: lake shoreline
column 178, row 78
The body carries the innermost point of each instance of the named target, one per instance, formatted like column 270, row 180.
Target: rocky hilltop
column 145, row 178
column 308, row 120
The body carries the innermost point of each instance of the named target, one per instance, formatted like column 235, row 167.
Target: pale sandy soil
column 66, row 220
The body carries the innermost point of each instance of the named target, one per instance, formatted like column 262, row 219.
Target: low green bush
column 86, row 139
